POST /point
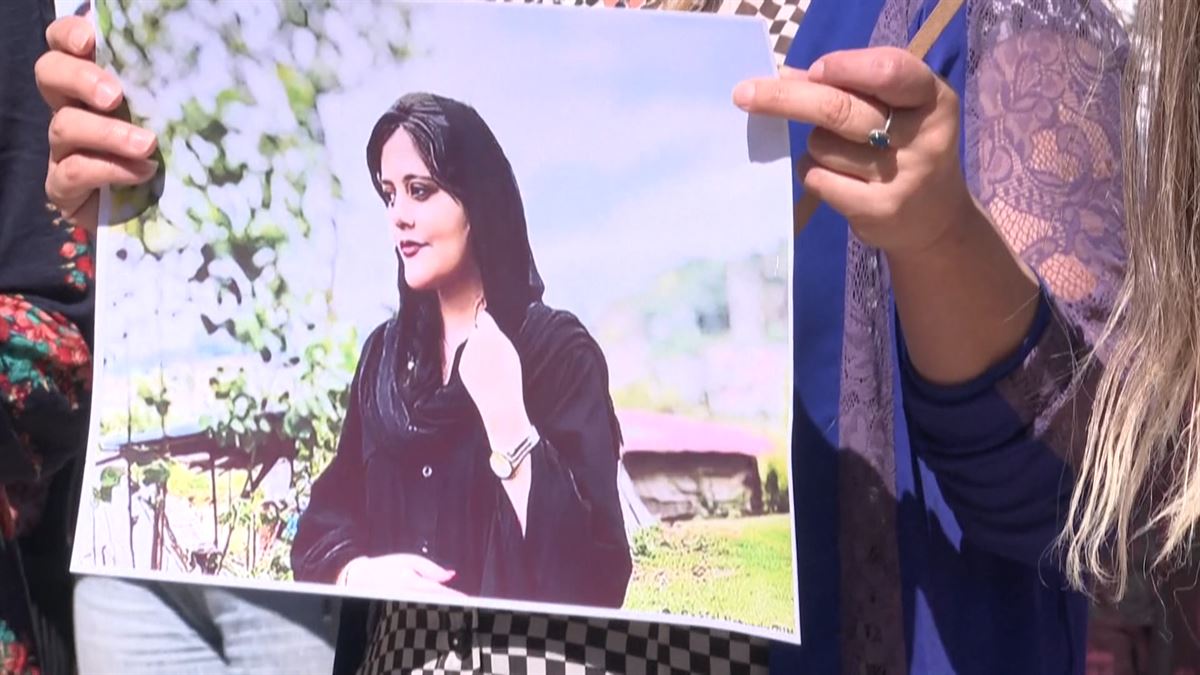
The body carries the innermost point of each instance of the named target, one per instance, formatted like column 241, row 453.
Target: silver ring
column 881, row 139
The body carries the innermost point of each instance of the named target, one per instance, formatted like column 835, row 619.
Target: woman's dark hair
column 464, row 159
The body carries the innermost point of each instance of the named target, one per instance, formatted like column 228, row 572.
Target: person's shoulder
column 375, row 337
column 552, row 318
column 546, row 322
column 560, row 358
column 559, row 336
column 372, row 348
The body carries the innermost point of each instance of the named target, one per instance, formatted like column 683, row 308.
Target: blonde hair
column 1139, row 473
column 684, row 5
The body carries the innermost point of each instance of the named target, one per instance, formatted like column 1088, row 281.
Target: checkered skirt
column 425, row 640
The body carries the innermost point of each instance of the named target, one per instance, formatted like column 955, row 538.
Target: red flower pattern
column 77, row 252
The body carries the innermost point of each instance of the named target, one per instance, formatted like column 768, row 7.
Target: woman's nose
column 401, row 218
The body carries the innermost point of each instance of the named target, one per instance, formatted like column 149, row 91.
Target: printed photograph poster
column 462, row 303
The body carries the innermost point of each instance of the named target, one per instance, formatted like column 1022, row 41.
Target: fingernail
column 817, row 69
column 107, row 93
column 79, row 39
column 150, row 166
column 743, row 94
column 140, row 140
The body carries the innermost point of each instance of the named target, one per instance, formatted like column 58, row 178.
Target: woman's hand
column 491, row 371
column 88, row 147
column 398, row 572
column 964, row 298
column 903, row 199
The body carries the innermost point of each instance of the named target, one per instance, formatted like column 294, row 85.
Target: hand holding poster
column 455, row 303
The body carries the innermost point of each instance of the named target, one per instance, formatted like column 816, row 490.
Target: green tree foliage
column 232, row 90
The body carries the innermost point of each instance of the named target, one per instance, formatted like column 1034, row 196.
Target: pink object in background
column 660, row 432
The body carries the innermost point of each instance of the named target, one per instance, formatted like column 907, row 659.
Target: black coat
column 433, row 494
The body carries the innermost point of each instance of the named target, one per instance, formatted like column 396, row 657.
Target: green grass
column 736, row 569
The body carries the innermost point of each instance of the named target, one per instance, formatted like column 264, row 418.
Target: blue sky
column 629, row 154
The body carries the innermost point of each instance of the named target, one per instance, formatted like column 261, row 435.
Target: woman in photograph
column 479, row 453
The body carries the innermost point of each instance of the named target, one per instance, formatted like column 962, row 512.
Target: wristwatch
column 505, row 464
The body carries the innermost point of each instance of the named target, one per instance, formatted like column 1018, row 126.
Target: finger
column 790, row 73
column 73, row 129
column 889, row 74
column 73, row 35
column 847, row 195
column 71, row 181
column 409, row 579
column 87, row 214
column 426, row 587
column 427, row 569
column 65, row 80
column 851, row 117
column 857, row 160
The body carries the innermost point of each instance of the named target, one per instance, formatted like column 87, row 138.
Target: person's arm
column 1002, row 442
column 331, row 531
column 45, row 291
column 999, row 444
column 559, row 534
column 1043, row 167
column 965, row 303
column 575, row 541
column 965, row 299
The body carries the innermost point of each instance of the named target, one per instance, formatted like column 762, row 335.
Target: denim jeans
column 141, row 628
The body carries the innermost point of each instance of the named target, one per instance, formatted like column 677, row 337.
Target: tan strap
column 929, row 32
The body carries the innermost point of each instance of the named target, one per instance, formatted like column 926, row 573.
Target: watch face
column 501, row 466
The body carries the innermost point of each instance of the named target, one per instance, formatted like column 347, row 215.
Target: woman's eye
column 420, row 192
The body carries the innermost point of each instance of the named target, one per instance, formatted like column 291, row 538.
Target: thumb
column 431, row 570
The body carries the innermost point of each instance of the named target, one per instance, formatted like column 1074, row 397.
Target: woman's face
column 429, row 227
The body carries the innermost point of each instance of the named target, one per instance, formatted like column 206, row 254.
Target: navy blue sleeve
column 994, row 443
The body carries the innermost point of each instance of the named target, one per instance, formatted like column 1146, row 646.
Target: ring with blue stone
column 880, row 138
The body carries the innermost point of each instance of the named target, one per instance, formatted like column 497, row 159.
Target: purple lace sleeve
column 1042, row 116
column 1042, row 147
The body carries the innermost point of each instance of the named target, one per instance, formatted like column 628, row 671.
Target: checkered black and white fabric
column 783, row 19
column 424, row 640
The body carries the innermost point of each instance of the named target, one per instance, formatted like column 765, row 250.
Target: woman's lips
column 410, row 248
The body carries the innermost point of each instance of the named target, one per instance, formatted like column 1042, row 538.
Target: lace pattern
column 1041, row 133
column 1042, row 129
column 872, row 610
